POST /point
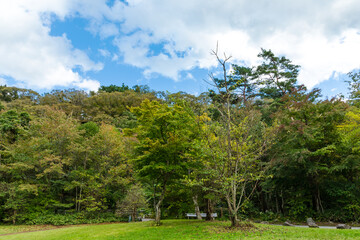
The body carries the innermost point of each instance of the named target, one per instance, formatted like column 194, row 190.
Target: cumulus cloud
column 34, row 58
column 321, row 36
column 189, row 76
column 104, row 53
column 168, row 37
column 115, row 57
column 104, row 30
column 2, row 81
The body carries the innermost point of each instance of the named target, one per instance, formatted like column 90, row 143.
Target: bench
column 189, row 215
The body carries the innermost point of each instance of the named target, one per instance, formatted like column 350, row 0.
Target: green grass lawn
column 176, row 229
column 5, row 229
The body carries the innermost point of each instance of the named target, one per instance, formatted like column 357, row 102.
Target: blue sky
column 83, row 44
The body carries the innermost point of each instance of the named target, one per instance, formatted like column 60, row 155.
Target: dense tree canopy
column 256, row 145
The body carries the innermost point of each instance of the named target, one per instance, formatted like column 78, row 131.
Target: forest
column 256, row 145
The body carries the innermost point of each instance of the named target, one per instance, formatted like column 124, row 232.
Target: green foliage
column 8, row 94
column 164, row 134
column 90, row 129
column 114, row 88
column 113, row 108
column 13, row 125
column 277, row 74
column 69, row 219
column 61, row 165
column 238, row 86
column 133, row 201
column 298, row 208
column 123, row 88
column 141, row 89
column 354, row 88
column 258, row 143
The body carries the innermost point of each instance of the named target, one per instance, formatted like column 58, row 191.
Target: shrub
column 69, row 219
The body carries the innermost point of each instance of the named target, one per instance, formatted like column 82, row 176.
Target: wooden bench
column 189, row 215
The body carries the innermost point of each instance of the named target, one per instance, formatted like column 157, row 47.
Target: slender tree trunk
column 232, row 212
column 14, row 217
column 79, row 201
column 158, row 212
column 282, row 203
column 319, row 201
column 154, row 196
column 76, row 199
column 197, row 209
column 158, row 206
column 234, row 220
column 315, row 192
column 133, row 215
column 209, row 210
column 271, row 203
column 277, row 203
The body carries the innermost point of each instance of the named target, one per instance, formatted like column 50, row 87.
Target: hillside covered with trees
column 256, row 145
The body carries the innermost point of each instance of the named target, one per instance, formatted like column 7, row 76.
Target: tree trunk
column 14, row 217
column 133, row 215
column 197, row 209
column 154, row 196
column 319, row 201
column 234, row 220
column 158, row 207
column 282, row 203
column 76, row 199
column 158, row 213
column 232, row 212
column 209, row 211
column 79, row 199
column 315, row 193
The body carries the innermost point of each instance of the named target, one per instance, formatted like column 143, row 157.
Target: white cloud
column 2, row 81
column 31, row 56
column 190, row 76
column 88, row 84
column 108, row 30
column 115, row 57
column 104, row 53
column 321, row 36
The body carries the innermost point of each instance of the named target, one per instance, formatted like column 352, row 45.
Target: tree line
column 257, row 144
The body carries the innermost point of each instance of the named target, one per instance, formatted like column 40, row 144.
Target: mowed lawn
column 176, row 229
